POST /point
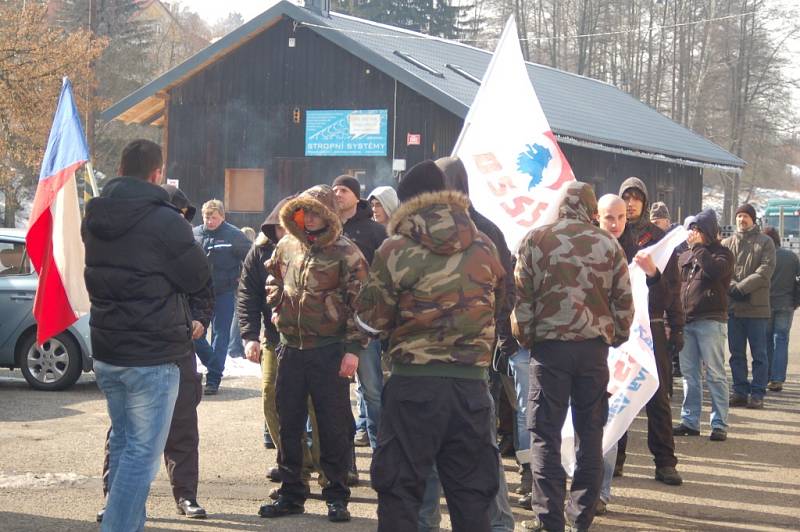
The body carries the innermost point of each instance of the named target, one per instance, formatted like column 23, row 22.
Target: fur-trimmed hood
column 319, row 199
column 438, row 221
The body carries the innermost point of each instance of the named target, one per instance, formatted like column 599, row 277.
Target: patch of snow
column 39, row 480
column 236, row 367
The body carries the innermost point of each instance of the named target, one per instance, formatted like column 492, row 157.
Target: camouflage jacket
column 312, row 282
column 572, row 279
column 432, row 287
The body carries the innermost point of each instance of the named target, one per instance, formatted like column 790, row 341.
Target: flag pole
column 510, row 24
column 91, row 181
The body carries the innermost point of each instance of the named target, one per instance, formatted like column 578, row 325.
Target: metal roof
column 581, row 111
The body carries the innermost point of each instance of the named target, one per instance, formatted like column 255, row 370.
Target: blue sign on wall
column 346, row 133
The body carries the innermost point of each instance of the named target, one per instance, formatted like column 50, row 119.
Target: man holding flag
column 141, row 264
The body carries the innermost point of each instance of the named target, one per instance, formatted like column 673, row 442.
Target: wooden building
column 260, row 114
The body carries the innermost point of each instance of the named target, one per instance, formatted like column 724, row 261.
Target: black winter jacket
column 365, row 232
column 664, row 289
column 141, row 264
column 226, row 247
column 503, row 305
column 251, row 305
column 706, row 274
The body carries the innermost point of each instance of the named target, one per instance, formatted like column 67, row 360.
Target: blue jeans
column 778, row 343
column 235, row 347
column 140, row 402
column 520, row 364
column 370, row 381
column 609, row 462
column 213, row 356
column 361, row 420
column 742, row 331
column 704, row 343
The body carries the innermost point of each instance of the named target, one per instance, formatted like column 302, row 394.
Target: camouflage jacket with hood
column 572, row 279
column 313, row 280
column 432, row 288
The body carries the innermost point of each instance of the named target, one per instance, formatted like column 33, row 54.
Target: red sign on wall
column 413, row 139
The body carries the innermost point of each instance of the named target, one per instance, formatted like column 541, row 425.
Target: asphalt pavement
column 51, row 446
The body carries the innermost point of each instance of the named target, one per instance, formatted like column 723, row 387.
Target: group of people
column 413, row 282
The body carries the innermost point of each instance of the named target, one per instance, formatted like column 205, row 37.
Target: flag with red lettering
column 633, row 376
column 54, row 241
column 515, row 167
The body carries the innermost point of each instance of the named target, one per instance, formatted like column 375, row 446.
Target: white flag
column 633, row 376
column 515, row 167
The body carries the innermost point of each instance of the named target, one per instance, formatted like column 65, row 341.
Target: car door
column 17, row 289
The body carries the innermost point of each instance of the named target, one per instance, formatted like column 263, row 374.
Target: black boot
column 280, row 508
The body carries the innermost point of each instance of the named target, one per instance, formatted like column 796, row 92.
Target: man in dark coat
column 706, row 271
column 664, row 304
column 226, row 247
column 181, row 452
column 141, row 264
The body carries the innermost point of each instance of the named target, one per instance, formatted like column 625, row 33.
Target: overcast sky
column 213, row 10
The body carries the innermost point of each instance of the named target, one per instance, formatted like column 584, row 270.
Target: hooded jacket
column 313, row 281
column 432, row 289
column 226, row 247
column 572, row 279
column 706, row 273
column 456, row 179
column 387, row 198
column 201, row 303
column 364, row 231
column 251, row 304
column 754, row 262
column 664, row 289
column 141, row 263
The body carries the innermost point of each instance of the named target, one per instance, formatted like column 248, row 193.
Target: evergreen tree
column 432, row 17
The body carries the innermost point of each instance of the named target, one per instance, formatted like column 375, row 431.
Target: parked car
column 56, row 364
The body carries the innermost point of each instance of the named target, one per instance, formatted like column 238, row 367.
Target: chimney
column 320, row 7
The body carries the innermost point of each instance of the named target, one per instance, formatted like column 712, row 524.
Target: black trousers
column 564, row 374
column 659, row 414
column 314, row 372
column 442, row 421
column 181, row 455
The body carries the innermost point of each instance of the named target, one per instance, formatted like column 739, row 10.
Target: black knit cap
column 350, row 182
column 748, row 210
column 423, row 177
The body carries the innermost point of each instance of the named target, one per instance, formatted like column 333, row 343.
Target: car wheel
column 55, row 365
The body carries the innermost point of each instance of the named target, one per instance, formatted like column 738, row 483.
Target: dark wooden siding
column 237, row 113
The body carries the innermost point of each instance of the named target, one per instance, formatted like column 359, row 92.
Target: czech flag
column 54, row 240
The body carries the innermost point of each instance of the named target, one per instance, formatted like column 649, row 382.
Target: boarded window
column 244, row 189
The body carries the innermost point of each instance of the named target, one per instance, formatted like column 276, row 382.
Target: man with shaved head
column 611, row 214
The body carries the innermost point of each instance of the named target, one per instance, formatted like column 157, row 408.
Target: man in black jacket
column 368, row 235
column 141, row 264
column 664, row 304
column 706, row 271
column 181, row 452
column 226, row 247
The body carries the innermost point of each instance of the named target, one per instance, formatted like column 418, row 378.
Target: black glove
column 675, row 343
column 737, row 295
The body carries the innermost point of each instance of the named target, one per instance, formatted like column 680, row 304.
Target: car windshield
column 13, row 259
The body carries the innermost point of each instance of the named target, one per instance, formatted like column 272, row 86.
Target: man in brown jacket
column 315, row 274
column 749, row 310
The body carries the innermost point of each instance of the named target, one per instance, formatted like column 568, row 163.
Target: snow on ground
column 713, row 197
column 236, row 367
column 39, row 480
